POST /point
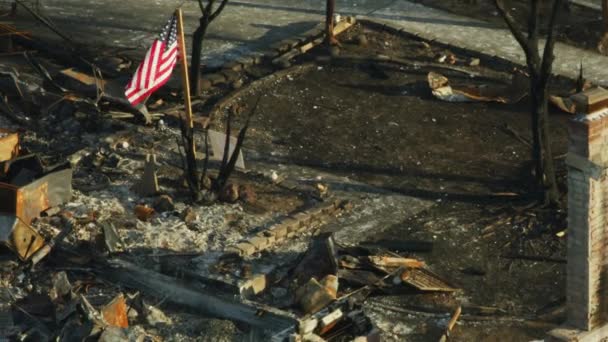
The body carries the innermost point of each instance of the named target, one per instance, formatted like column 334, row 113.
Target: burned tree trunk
column 330, row 39
column 602, row 46
column 542, row 152
column 539, row 68
column 197, row 51
column 208, row 15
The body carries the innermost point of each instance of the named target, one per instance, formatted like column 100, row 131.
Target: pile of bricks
column 291, row 226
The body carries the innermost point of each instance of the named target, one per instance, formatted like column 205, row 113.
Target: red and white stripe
column 153, row 72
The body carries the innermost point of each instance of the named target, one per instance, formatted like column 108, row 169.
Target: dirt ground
column 359, row 122
column 378, row 123
column 577, row 25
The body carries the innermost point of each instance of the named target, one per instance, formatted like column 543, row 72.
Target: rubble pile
column 101, row 241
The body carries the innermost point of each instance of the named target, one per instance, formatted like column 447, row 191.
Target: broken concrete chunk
column 215, row 78
column 164, row 203
column 312, row 338
column 233, row 66
column 279, row 231
column 148, row 184
column 155, row 316
column 61, row 284
column 307, row 326
column 231, row 75
column 233, row 250
column 303, row 218
column 246, row 248
column 259, row 243
column 113, row 334
column 331, row 283
column 111, row 238
column 254, row 286
column 291, row 225
column 217, row 140
column 313, row 296
column 320, row 260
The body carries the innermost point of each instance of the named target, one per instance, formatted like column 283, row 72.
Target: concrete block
column 233, row 250
column 259, row 243
column 231, row 75
column 254, row 286
column 316, row 212
column 279, row 231
column 215, row 78
column 313, row 296
column 234, row 66
column 291, row 224
column 303, row 219
column 246, row 248
column 246, row 61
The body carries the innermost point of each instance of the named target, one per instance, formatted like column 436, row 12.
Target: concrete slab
column 568, row 334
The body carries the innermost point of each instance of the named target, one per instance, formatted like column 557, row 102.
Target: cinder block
column 246, row 248
column 254, row 286
column 303, row 218
column 291, row 224
column 234, row 66
column 259, row 243
column 280, row 231
column 233, row 250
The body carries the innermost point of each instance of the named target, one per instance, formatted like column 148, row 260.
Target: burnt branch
column 533, row 23
column 548, row 56
column 227, row 141
column 511, row 23
column 218, row 11
column 189, row 159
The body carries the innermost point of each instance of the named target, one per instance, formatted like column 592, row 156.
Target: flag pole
column 185, row 81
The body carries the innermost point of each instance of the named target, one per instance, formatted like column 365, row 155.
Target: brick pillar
column 587, row 282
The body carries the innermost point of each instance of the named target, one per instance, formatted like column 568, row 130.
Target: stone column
column 587, row 243
column 587, row 270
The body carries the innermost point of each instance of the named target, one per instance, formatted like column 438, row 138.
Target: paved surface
column 250, row 25
column 593, row 4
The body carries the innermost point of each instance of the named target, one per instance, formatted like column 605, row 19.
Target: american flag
column 157, row 67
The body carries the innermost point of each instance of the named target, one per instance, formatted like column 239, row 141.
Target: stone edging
column 278, row 54
column 289, row 227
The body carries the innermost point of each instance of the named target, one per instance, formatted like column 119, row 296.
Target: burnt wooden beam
column 208, row 303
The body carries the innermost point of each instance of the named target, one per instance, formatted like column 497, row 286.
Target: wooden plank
column 382, row 261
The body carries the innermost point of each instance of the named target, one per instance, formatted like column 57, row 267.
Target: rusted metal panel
column 115, row 313
column 28, row 201
column 9, row 145
column 19, row 236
